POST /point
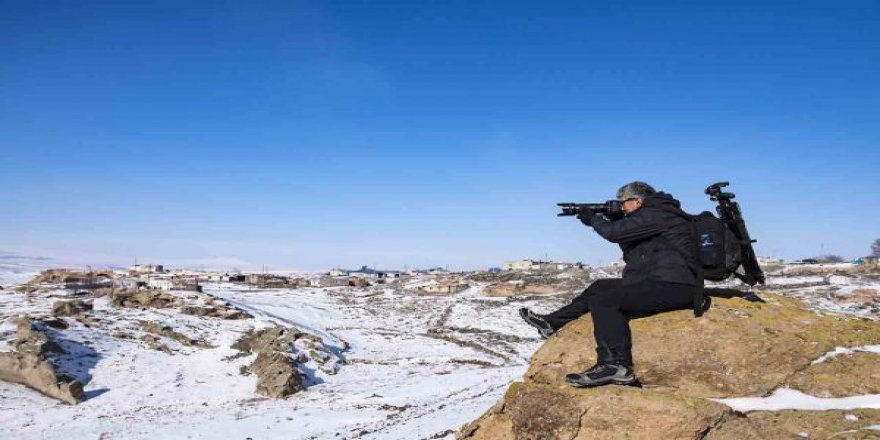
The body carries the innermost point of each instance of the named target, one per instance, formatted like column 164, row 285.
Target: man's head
column 632, row 195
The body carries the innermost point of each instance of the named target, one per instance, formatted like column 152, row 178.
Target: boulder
column 737, row 349
column 840, row 376
column 268, row 340
column 29, row 366
column 358, row 282
column 142, row 298
column 837, row 424
column 223, row 312
column 275, row 366
column 157, row 329
column 538, row 411
column 71, row 308
column 521, row 289
column 276, row 375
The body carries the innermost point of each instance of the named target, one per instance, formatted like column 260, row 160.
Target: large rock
column 158, row 329
column 142, row 298
column 71, row 308
column 531, row 411
column 790, row 424
column 275, row 366
column 277, row 375
column 841, row 376
column 29, row 366
column 523, row 289
column 736, row 349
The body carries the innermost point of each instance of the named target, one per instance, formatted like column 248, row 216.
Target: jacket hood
column 661, row 200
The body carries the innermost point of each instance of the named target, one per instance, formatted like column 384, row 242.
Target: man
column 662, row 274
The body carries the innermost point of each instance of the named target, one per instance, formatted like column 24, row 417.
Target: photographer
column 662, row 274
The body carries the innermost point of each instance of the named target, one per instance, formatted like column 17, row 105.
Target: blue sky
column 319, row 134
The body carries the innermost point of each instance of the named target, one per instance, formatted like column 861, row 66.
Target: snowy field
column 413, row 366
column 416, row 367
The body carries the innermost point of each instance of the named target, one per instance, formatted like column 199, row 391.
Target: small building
column 365, row 272
column 139, row 269
column 770, row 261
column 869, row 261
column 539, row 265
column 160, row 283
column 444, row 288
column 332, row 282
column 266, row 280
column 131, row 283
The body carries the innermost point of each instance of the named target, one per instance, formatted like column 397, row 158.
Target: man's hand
column 586, row 216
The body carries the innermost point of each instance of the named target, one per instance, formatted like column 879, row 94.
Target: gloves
column 586, row 216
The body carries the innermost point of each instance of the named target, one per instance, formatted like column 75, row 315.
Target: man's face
column 631, row 205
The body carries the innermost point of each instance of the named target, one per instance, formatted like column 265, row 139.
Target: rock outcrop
column 224, row 311
column 142, row 298
column 29, row 365
column 157, row 329
column 275, row 365
column 737, row 349
column 523, row 289
column 71, row 308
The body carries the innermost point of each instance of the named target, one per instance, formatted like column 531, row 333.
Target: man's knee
column 601, row 286
column 605, row 299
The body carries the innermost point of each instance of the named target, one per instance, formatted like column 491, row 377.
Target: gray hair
column 635, row 190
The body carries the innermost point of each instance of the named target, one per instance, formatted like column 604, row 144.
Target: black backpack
column 720, row 251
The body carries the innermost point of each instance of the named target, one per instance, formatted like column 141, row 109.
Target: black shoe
column 537, row 321
column 603, row 374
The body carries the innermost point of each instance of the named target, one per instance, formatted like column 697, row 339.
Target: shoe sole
column 543, row 331
column 628, row 380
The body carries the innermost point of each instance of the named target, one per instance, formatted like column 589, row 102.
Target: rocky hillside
column 694, row 370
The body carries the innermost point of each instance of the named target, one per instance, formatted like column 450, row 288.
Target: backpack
column 720, row 251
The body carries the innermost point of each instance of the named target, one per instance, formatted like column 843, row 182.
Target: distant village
column 436, row 280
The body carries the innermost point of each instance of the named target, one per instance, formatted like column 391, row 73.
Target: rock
column 142, row 298
column 358, row 282
column 737, row 349
column 155, row 343
column 276, row 375
column 60, row 276
column 71, row 308
column 521, row 289
column 761, row 425
column 299, row 282
column 29, row 366
column 840, row 376
column 537, row 411
column 275, row 366
column 716, row 355
column 56, row 323
column 223, row 312
column 198, row 311
column 268, row 340
column 166, row 331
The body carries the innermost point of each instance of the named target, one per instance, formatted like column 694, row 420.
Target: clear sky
column 319, row 134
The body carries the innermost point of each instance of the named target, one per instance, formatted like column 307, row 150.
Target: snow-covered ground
column 416, row 366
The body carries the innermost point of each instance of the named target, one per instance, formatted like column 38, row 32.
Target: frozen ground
column 416, row 366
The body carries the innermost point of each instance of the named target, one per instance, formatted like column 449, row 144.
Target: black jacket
column 657, row 240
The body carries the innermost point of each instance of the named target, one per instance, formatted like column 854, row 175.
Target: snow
column 416, row 366
column 410, row 365
column 785, row 398
column 842, row 351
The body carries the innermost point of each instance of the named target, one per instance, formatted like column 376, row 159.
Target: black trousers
column 613, row 305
